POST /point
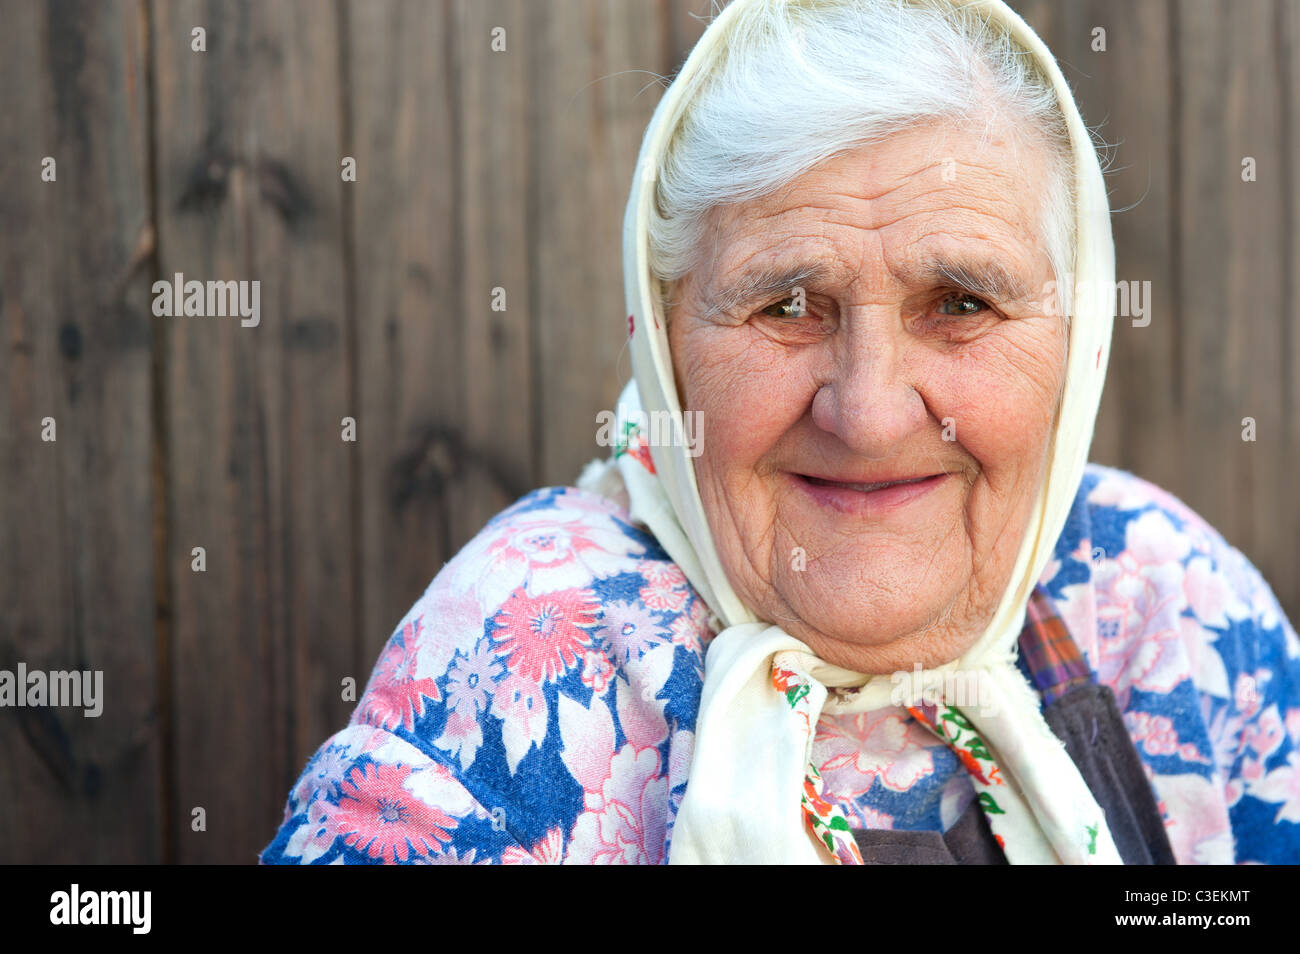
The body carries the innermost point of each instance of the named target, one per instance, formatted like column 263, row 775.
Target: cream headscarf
column 743, row 796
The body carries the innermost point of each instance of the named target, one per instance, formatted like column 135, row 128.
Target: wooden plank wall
column 76, row 553
column 477, row 170
column 1183, row 93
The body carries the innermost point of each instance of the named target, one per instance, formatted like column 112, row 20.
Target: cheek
column 749, row 397
column 997, row 398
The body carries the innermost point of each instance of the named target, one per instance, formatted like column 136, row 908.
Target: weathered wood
column 1230, row 279
column 1047, row 19
column 410, row 316
column 1183, row 93
column 687, row 20
column 586, row 132
column 76, row 572
column 476, row 169
column 1283, row 572
column 1125, row 94
column 492, row 104
column 249, row 190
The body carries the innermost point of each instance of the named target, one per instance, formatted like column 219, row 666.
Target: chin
column 883, row 635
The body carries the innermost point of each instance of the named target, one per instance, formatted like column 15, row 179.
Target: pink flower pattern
column 545, row 635
column 395, row 696
column 538, row 704
column 377, row 815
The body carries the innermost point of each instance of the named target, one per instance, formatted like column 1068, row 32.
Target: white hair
column 805, row 81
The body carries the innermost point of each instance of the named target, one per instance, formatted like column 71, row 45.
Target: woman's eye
column 961, row 305
column 784, row 309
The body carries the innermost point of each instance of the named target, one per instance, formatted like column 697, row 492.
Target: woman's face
column 928, row 358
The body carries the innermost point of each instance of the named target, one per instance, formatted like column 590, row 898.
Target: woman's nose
column 867, row 400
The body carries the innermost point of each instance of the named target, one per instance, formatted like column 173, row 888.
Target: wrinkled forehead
column 937, row 192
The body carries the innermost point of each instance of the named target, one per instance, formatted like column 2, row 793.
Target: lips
column 866, row 487
column 869, row 498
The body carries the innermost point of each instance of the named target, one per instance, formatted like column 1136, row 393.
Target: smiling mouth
column 866, row 488
column 871, row 499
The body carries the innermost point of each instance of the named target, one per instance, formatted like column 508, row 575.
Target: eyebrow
column 984, row 278
column 760, row 284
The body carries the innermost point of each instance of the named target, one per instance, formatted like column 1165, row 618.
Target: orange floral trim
column 824, row 818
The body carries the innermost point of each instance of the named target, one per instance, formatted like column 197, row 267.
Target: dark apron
column 1085, row 717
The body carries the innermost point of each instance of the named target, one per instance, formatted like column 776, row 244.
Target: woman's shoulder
column 1203, row 662
column 1137, row 516
column 1160, row 577
column 549, row 673
column 562, row 589
column 1136, row 529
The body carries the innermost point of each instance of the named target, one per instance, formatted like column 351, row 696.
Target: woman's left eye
column 961, row 305
column 784, row 309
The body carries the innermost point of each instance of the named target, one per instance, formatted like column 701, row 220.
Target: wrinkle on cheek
column 711, row 362
column 1037, row 362
column 1013, row 380
column 737, row 500
column 992, row 562
column 746, row 545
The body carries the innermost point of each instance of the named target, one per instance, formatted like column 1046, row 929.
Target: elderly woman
column 865, row 600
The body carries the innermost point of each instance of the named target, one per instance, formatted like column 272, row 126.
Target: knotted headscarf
column 752, row 794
